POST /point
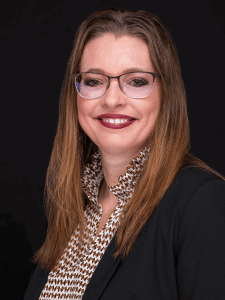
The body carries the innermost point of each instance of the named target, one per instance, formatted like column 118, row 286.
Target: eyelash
column 143, row 81
column 91, row 80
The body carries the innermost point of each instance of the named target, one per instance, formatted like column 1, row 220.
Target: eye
column 138, row 82
column 92, row 82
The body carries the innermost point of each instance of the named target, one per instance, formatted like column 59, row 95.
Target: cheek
column 151, row 109
column 156, row 109
column 150, row 114
column 84, row 111
column 81, row 108
column 155, row 102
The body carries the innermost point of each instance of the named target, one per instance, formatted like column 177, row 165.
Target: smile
column 116, row 123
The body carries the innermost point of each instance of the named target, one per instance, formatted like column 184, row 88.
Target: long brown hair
column 65, row 199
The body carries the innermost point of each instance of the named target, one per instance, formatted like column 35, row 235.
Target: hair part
column 64, row 197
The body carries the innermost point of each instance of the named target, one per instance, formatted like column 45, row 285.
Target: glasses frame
column 154, row 74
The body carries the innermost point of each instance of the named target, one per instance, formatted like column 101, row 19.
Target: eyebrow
column 97, row 70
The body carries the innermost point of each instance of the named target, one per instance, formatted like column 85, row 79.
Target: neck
column 113, row 166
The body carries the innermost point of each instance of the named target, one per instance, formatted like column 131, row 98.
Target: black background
column 36, row 39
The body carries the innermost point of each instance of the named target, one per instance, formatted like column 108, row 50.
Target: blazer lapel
column 36, row 284
column 103, row 273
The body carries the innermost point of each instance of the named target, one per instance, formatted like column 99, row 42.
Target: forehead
column 115, row 55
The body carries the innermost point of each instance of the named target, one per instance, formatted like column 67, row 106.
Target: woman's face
column 113, row 57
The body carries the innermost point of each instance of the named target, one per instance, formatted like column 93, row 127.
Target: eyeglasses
column 133, row 84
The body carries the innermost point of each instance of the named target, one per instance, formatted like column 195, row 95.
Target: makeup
column 116, row 126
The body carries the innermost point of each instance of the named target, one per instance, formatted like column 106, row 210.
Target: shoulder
column 195, row 196
column 195, row 176
column 195, row 205
column 194, row 180
column 196, row 220
column 200, row 189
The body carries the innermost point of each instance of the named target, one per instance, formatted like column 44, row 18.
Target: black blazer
column 180, row 253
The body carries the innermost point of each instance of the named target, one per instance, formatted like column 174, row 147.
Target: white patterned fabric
column 76, row 267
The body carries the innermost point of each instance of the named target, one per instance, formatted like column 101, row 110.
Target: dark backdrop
column 36, row 39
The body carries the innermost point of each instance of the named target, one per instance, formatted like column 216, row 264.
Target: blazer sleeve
column 201, row 244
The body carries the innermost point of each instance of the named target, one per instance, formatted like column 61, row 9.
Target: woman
column 131, row 213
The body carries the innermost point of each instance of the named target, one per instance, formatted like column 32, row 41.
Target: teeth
column 116, row 121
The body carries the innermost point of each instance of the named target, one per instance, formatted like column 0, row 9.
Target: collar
column 93, row 175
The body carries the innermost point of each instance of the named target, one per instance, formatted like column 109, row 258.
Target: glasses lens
column 91, row 85
column 137, row 85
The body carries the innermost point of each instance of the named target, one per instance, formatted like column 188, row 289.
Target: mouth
column 116, row 120
column 116, row 123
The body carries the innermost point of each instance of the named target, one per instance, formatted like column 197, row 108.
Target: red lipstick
column 115, row 116
column 116, row 126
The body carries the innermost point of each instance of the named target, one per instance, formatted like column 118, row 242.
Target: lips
column 115, row 116
column 102, row 120
column 116, row 126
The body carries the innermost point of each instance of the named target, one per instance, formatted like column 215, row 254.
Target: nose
column 114, row 96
